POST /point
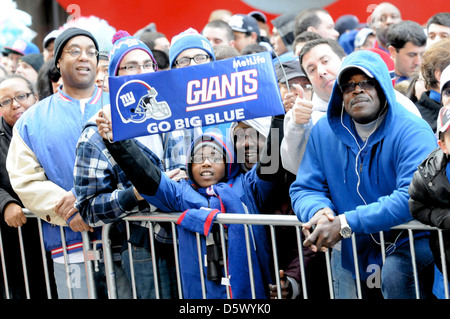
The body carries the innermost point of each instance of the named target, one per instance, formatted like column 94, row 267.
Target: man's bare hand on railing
column 14, row 215
column 326, row 232
column 65, row 208
column 77, row 224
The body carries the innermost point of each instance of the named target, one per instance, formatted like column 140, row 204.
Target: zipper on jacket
column 360, row 167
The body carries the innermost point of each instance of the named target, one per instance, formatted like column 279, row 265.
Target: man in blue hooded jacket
column 363, row 188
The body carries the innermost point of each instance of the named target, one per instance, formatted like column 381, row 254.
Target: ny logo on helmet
column 146, row 107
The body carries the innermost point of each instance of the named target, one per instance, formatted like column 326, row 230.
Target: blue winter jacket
column 370, row 189
column 184, row 195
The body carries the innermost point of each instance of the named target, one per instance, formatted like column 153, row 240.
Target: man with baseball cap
column 364, row 39
column 354, row 178
column 347, row 22
column 262, row 20
column 42, row 155
column 18, row 49
column 289, row 74
column 308, row 112
column 245, row 29
column 48, row 44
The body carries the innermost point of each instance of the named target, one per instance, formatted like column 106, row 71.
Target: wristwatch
column 346, row 231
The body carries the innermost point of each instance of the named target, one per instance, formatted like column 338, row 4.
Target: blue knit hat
column 189, row 39
column 123, row 43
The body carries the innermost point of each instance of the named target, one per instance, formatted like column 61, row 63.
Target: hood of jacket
column 285, row 27
column 232, row 167
column 340, row 122
column 260, row 124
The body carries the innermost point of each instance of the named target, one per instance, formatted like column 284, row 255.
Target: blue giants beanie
column 189, row 39
column 123, row 43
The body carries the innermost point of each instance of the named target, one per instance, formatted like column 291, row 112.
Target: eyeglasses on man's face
column 134, row 67
column 76, row 52
column 213, row 158
column 199, row 59
column 351, row 86
column 19, row 98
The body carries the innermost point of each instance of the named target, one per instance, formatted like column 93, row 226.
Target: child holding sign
column 215, row 185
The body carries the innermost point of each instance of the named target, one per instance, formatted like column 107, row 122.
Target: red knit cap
column 119, row 35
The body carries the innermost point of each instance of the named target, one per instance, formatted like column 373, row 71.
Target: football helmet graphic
column 136, row 102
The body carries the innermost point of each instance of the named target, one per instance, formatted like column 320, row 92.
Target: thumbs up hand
column 302, row 109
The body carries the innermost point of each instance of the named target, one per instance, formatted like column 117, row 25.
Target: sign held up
column 218, row 92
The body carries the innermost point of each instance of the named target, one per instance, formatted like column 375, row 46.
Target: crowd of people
column 362, row 148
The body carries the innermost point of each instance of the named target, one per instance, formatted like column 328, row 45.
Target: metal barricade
column 90, row 256
column 93, row 256
column 271, row 221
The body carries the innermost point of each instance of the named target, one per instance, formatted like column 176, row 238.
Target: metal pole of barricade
column 383, row 247
column 443, row 262
column 92, row 292
column 413, row 262
column 275, row 261
column 301, row 261
column 66, row 262
column 250, row 263
column 270, row 220
column 24, row 262
column 44, row 259
column 357, row 275
column 200, row 264
column 260, row 220
column 177, row 261
column 152, row 250
column 329, row 273
column 5, row 277
column 224, row 258
column 130, row 257
column 109, row 262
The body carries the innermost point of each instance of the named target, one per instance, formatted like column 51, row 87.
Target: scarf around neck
column 223, row 199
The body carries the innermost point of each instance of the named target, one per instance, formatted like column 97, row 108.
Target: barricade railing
column 271, row 221
column 93, row 254
column 89, row 256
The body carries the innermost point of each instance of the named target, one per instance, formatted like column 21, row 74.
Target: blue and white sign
column 218, row 92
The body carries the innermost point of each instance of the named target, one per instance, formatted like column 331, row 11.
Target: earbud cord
column 356, row 167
